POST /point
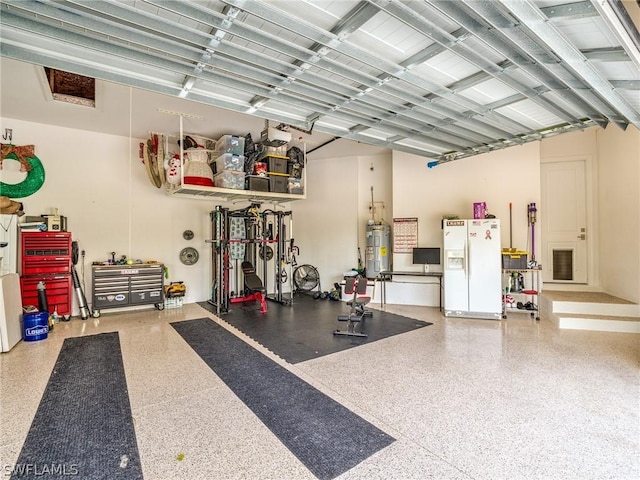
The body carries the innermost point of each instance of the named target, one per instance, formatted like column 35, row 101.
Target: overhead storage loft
column 231, row 195
column 441, row 79
column 226, row 156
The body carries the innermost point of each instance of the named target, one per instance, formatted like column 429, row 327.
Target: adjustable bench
column 253, row 287
column 357, row 286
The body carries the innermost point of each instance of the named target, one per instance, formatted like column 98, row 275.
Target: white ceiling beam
column 529, row 15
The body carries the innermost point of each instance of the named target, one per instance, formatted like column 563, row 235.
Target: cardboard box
column 479, row 210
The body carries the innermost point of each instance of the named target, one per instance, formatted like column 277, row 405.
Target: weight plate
column 187, row 235
column 266, row 251
column 189, row 256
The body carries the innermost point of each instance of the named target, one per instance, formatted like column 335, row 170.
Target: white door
column 456, row 284
column 485, row 267
column 564, row 222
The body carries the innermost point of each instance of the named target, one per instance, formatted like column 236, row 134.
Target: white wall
column 581, row 146
column 98, row 182
column 375, row 172
column 101, row 186
column 619, row 200
column 330, row 224
column 613, row 203
column 333, row 218
column 498, row 178
column 325, row 225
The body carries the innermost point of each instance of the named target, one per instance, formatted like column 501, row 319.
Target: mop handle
column 510, row 225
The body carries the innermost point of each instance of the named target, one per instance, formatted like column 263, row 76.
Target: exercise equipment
column 266, row 252
column 256, row 231
column 253, row 288
column 356, row 286
column 189, row 256
column 336, row 293
column 284, row 259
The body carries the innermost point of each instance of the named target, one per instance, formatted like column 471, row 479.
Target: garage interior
column 415, row 109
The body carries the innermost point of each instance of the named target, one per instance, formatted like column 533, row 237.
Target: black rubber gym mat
column 304, row 331
column 325, row 436
column 83, row 426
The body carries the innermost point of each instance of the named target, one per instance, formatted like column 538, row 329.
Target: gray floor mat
column 325, row 436
column 83, row 427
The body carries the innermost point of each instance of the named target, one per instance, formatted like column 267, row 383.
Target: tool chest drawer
column 127, row 285
column 45, row 252
column 58, row 288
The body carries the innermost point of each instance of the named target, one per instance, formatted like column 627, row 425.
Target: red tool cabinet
column 46, row 257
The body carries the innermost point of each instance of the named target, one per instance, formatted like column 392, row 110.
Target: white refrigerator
column 10, row 311
column 472, row 268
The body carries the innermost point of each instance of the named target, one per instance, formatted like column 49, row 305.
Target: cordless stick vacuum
column 82, row 300
column 531, row 215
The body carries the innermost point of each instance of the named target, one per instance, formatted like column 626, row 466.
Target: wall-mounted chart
column 405, row 235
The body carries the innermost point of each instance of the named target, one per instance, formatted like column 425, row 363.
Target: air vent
column 71, row 88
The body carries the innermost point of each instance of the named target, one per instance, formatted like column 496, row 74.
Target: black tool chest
column 118, row 286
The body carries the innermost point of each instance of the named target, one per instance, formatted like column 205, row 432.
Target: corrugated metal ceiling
column 442, row 79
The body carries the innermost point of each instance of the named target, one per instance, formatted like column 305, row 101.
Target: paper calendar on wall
column 405, row 235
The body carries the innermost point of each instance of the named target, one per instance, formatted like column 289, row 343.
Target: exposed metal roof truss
column 442, row 79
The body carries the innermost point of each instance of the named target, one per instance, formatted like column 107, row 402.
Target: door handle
column 582, row 236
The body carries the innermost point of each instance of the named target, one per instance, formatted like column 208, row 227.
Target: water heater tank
column 378, row 252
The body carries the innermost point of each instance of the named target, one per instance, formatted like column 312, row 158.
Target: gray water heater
column 378, row 251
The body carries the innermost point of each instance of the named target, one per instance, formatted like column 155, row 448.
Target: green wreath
column 30, row 185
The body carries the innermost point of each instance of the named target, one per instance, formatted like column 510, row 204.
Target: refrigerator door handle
column 467, row 260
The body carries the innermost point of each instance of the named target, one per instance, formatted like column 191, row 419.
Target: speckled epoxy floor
column 589, row 297
column 465, row 399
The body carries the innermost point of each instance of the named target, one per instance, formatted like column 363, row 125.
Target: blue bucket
column 35, row 326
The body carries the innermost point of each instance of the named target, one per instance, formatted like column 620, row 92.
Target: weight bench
column 356, row 286
column 253, row 287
